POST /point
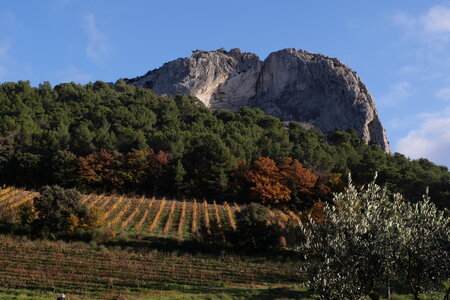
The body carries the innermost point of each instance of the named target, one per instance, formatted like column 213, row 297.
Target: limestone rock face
column 219, row 79
column 290, row 84
column 299, row 86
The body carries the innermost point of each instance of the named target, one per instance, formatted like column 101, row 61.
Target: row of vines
column 159, row 217
column 75, row 267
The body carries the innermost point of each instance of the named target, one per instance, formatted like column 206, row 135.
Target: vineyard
column 156, row 217
column 79, row 268
column 99, row 271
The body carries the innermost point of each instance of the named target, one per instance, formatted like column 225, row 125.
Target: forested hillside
column 126, row 138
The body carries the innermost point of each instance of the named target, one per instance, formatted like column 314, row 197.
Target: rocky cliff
column 290, row 84
column 220, row 79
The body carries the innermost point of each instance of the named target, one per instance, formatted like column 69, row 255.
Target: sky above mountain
column 400, row 49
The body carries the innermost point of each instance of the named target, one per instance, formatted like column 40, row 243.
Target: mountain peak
column 291, row 84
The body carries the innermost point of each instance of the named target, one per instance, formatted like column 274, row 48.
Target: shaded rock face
column 290, row 84
column 299, row 86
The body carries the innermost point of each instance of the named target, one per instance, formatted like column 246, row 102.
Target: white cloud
column 73, row 74
column 443, row 93
column 430, row 140
column 431, row 30
column 397, row 93
column 405, row 21
column 409, row 70
column 403, row 122
column 426, row 40
column 97, row 47
column 437, row 19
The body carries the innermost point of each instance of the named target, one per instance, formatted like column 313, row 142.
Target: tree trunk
column 374, row 295
column 415, row 292
column 389, row 290
column 447, row 294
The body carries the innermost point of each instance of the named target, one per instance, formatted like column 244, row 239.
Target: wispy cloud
column 397, row 93
column 409, row 70
column 97, row 48
column 431, row 30
column 437, row 19
column 405, row 20
column 73, row 74
column 428, row 35
column 443, row 93
column 431, row 139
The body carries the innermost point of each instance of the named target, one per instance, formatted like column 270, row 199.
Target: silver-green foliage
column 372, row 236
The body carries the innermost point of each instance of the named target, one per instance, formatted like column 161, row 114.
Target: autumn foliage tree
column 301, row 181
column 286, row 182
column 267, row 181
column 139, row 169
column 100, row 168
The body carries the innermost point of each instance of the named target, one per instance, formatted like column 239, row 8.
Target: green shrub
column 254, row 229
column 25, row 213
column 60, row 210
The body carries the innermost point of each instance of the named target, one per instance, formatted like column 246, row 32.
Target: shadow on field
column 270, row 293
column 164, row 244
column 239, row 292
column 194, row 247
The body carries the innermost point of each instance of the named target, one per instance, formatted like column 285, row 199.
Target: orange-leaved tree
column 136, row 169
column 295, row 174
column 267, row 182
column 99, row 167
column 301, row 181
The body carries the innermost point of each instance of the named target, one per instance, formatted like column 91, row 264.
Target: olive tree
column 422, row 246
column 372, row 236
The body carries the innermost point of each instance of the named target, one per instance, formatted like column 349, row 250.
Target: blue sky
column 400, row 49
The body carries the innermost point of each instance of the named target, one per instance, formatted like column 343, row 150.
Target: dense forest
column 127, row 139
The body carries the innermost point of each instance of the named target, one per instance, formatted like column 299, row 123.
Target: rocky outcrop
column 290, row 84
column 220, row 79
column 299, row 86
